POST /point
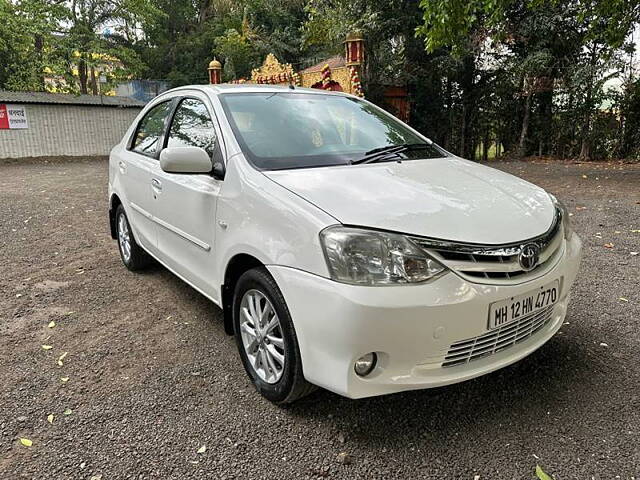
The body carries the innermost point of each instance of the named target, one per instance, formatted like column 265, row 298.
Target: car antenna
column 291, row 87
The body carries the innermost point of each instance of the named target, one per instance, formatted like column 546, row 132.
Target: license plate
column 514, row 308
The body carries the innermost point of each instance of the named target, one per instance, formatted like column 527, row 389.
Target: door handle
column 156, row 185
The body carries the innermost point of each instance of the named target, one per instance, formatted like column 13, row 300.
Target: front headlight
column 564, row 214
column 366, row 257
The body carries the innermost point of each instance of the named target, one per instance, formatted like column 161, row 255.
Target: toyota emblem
column 529, row 256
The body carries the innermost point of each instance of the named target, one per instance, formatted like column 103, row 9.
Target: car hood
column 445, row 198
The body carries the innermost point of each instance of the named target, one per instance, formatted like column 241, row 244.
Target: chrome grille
column 486, row 263
column 497, row 340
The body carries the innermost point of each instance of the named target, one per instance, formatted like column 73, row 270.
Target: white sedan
column 346, row 250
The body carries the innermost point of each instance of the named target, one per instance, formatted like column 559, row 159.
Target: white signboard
column 13, row 116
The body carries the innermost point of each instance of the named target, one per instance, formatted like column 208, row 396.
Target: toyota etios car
column 346, row 250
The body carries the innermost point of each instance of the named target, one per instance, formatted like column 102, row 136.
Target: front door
column 185, row 204
column 137, row 165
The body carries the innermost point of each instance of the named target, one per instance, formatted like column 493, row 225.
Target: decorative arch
column 273, row 72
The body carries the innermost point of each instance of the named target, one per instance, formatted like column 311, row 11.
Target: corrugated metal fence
column 76, row 127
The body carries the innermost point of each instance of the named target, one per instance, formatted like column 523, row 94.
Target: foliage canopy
column 485, row 77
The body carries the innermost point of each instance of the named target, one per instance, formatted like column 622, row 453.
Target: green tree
column 237, row 51
column 630, row 133
column 550, row 43
column 179, row 43
column 29, row 29
column 99, row 38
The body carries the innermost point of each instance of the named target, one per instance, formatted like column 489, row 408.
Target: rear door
column 185, row 207
column 138, row 166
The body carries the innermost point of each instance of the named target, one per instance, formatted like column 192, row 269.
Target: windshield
column 284, row 130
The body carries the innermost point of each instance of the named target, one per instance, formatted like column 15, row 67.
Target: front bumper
column 410, row 327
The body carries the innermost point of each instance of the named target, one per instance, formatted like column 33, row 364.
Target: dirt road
column 152, row 377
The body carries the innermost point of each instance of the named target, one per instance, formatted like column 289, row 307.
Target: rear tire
column 266, row 339
column 132, row 254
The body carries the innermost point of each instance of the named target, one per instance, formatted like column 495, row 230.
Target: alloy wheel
column 261, row 335
column 124, row 238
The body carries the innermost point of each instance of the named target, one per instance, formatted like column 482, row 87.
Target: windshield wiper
column 377, row 154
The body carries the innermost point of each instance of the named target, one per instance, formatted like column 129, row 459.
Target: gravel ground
column 152, row 377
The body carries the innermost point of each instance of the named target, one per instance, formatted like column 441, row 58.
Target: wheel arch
column 236, row 266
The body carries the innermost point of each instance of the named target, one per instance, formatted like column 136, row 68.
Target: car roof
column 223, row 88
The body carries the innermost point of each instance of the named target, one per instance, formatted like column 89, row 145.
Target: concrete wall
column 75, row 130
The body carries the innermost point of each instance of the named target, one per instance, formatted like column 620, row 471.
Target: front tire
column 132, row 254
column 266, row 339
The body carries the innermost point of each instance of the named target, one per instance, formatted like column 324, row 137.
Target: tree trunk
column 82, row 75
column 545, row 132
column 463, row 130
column 449, row 131
column 39, row 48
column 469, row 106
column 485, row 147
column 585, row 148
column 203, row 12
column 94, row 82
column 472, row 142
column 585, row 144
column 525, row 127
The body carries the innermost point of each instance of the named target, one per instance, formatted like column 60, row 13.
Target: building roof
column 333, row 62
column 68, row 99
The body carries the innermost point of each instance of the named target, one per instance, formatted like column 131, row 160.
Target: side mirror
column 185, row 160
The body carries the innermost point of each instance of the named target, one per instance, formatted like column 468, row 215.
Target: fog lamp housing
column 365, row 364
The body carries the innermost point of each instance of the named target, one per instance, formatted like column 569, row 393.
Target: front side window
column 296, row 130
column 192, row 127
column 150, row 129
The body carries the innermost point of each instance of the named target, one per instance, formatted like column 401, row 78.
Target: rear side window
column 150, row 128
column 192, row 127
